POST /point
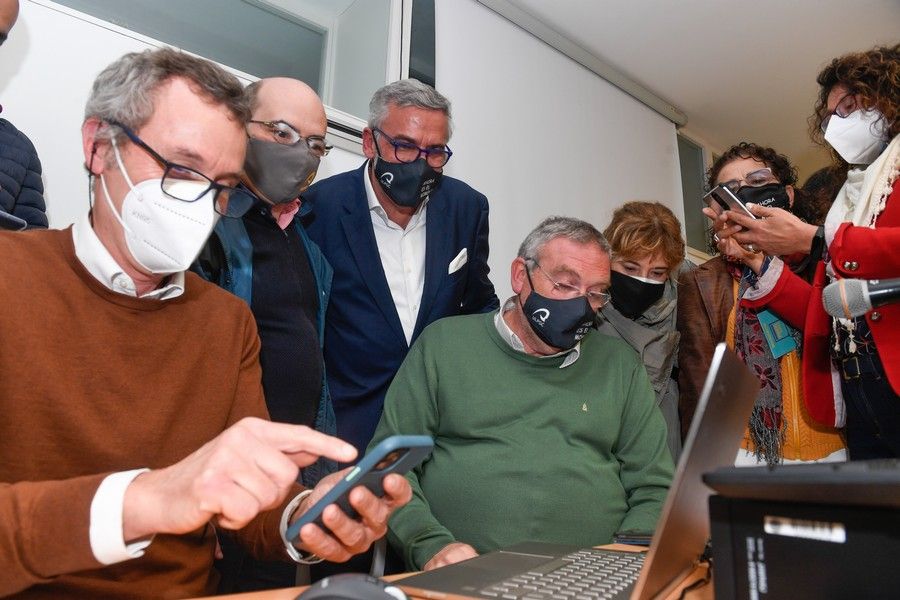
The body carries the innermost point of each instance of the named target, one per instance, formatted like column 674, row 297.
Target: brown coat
column 705, row 299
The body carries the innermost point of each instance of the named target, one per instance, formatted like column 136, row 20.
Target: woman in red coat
column 851, row 367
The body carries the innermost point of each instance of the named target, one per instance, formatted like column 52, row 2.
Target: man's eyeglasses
column 282, row 133
column 845, row 107
column 228, row 201
column 567, row 291
column 757, row 178
column 406, row 152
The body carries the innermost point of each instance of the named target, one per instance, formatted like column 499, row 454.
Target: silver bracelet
column 292, row 551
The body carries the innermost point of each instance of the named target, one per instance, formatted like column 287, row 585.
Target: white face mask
column 859, row 137
column 164, row 235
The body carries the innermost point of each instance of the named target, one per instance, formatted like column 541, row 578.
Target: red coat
column 856, row 252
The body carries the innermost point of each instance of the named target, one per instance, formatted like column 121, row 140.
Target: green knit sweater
column 524, row 450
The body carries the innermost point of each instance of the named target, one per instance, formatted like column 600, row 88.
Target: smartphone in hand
column 396, row 454
column 725, row 199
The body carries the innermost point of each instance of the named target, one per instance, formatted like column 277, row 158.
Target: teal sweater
column 524, row 450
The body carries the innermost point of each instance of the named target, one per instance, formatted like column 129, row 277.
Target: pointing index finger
column 299, row 440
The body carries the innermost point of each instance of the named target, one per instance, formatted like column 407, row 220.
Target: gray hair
column 125, row 90
column 407, row 92
column 557, row 227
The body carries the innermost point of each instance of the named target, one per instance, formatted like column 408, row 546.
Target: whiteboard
column 47, row 67
column 541, row 135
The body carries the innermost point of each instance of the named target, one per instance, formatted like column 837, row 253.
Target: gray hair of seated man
column 407, row 92
column 124, row 91
column 561, row 227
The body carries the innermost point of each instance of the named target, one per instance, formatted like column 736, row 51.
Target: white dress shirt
column 402, row 253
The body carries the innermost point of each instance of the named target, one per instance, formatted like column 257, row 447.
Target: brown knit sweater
column 93, row 382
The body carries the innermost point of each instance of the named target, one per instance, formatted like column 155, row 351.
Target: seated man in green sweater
column 542, row 430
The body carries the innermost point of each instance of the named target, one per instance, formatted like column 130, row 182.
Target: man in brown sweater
column 118, row 366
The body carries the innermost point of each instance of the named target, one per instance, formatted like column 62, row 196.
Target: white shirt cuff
column 106, row 533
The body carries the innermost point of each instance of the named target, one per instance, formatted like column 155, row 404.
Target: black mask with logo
column 407, row 184
column 279, row 171
column 631, row 296
column 558, row 323
column 773, row 195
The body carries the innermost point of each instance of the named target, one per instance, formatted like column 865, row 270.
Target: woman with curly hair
column 851, row 366
column 647, row 252
column 712, row 307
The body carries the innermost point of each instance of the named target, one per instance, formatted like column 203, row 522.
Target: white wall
column 541, row 135
column 47, row 67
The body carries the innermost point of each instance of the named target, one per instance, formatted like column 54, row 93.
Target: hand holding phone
column 396, row 454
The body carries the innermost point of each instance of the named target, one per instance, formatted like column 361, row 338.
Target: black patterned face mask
column 773, row 195
column 558, row 323
column 407, row 184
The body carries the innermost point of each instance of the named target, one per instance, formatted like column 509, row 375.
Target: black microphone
column 849, row 298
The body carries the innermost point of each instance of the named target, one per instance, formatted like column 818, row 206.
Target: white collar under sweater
column 100, row 263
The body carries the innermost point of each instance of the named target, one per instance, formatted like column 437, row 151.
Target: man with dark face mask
column 408, row 244
column 267, row 259
column 530, row 396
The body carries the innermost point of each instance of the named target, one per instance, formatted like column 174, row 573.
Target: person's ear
column 790, row 194
column 518, row 274
column 368, row 143
column 95, row 150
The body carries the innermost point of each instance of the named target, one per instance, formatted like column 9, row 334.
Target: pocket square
column 457, row 263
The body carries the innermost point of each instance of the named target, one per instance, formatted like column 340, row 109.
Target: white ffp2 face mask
column 164, row 235
column 859, row 137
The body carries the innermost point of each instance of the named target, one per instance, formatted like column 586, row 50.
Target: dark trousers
column 873, row 409
column 242, row 573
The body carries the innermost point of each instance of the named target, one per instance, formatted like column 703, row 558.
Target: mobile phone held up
column 396, row 454
column 726, row 200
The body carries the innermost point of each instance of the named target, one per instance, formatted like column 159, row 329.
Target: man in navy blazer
column 407, row 244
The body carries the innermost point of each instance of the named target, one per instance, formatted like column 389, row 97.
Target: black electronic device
column 825, row 530
column 352, row 586
column 396, row 454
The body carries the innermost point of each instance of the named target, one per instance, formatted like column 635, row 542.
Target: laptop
column 534, row 570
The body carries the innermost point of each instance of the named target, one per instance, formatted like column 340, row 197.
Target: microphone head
column 847, row 298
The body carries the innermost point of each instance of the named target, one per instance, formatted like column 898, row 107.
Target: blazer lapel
column 437, row 259
column 357, row 224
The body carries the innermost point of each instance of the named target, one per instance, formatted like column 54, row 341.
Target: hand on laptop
column 352, row 536
column 449, row 554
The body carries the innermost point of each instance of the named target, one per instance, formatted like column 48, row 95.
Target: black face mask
column 407, row 184
column 772, row 195
column 631, row 296
column 280, row 172
column 558, row 323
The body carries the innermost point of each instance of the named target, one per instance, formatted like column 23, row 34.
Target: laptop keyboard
column 585, row 574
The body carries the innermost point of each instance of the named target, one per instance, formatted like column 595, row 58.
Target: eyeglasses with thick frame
column 846, row 106
column 283, row 133
column 228, row 201
column 757, row 178
column 407, row 152
column 567, row 291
